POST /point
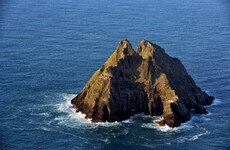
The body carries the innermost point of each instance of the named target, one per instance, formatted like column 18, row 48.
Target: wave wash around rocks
column 147, row 80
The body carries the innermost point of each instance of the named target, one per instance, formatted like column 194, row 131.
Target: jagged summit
column 146, row 49
column 148, row 81
column 125, row 48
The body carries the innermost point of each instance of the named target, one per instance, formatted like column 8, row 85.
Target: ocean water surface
column 49, row 49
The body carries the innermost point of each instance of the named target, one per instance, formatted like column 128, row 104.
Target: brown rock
column 148, row 81
column 160, row 123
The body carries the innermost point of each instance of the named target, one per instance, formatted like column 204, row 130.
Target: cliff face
column 148, row 81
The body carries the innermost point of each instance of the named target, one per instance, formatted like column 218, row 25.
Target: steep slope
column 148, row 81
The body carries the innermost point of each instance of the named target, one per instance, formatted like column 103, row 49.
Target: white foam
column 195, row 137
column 207, row 91
column 105, row 140
column 76, row 119
column 106, row 124
column 66, row 107
column 40, row 114
column 68, row 97
column 44, row 128
column 164, row 128
column 191, row 138
column 217, row 102
column 168, row 143
column 127, row 121
column 209, row 113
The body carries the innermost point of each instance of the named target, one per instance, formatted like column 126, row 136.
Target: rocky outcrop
column 147, row 80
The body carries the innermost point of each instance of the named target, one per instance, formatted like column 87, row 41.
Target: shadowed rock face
column 148, row 81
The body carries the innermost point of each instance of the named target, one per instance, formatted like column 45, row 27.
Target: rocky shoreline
column 147, row 80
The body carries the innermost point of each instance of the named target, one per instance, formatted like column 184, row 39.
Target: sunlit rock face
column 147, row 80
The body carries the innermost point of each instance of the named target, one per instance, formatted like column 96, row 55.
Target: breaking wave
column 216, row 102
column 195, row 119
column 76, row 119
column 166, row 128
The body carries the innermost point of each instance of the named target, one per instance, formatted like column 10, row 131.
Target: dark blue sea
column 50, row 48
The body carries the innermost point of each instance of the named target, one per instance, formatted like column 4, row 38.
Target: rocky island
column 145, row 81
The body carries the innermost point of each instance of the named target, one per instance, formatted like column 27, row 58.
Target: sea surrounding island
column 50, row 49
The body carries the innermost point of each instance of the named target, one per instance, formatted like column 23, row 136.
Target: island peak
column 148, row 81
